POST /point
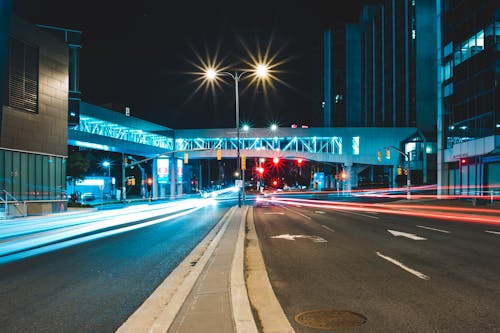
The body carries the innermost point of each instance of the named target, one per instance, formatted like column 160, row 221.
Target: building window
column 22, row 79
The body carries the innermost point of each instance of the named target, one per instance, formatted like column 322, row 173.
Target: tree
column 76, row 168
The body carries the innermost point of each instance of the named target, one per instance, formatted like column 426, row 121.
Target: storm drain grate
column 330, row 318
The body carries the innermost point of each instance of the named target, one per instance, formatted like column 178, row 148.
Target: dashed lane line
column 327, row 228
column 493, row 232
column 406, row 268
column 434, row 229
column 294, row 211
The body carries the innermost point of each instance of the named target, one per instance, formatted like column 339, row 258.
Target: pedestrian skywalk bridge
column 103, row 129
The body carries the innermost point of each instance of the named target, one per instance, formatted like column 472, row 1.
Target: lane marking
column 493, row 232
column 406, row 268
column 298, row 206
column 304, row 216
column 319, row 212
column 439, row 230
column 328, row 228
column 365, row 215
column 315, row 239
column 405, row 234
column 274, row 213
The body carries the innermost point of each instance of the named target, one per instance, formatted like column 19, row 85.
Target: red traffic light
column 260, row 170
column 276, row 160
column 275, row 182
column 299, row 161
column 463, row 161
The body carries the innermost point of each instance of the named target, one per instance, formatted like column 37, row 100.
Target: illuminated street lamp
column 260, row 71
column 107, row 165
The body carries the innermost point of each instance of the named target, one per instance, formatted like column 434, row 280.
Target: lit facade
column 469, row 99
column 33, row 140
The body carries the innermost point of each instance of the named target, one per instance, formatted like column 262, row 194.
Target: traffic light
column 388, row 153
column 276, row 160
column 260, row 170
column 150, row 183
column 275, row 182
column 299, row 161
column 243, row 162
column 379, row 155
column 343, row 175
column 219, row 154
column 186, row 158
column 463, row 161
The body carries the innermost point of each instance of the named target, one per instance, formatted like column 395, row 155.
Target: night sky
column 141, row 54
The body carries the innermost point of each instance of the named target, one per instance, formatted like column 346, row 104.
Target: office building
column 469, row 99
column 34, row 134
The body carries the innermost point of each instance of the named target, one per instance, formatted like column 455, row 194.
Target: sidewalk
column 206, row 292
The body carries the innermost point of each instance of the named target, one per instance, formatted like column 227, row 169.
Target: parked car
column 88, row 196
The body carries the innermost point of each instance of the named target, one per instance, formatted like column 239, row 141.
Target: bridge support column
column 155, row 179
column 173, row 176
column 349, row 178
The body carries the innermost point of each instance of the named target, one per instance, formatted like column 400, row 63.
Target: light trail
column 409, row 210
column 49, row 244
column 42, row 239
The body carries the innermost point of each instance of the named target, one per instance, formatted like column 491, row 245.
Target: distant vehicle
column 88, row 196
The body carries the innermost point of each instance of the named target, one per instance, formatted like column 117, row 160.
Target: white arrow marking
column 407, row 235
column 440, row 230
column 274, row 213
column 315, row 239
column 319, row 212
column 406, row 268
column 493, row 232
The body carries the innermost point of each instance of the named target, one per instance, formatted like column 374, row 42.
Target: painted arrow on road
column 405, row 234
column 315, row 239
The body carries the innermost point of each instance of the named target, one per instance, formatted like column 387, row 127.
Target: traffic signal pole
column 408, row 178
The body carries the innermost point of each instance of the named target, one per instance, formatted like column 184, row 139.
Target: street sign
column 238, row 183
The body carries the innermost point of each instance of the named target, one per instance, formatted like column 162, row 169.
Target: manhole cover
column 329, row 318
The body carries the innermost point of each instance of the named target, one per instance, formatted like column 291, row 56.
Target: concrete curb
column 262, row 297
column 157, row 313
column 240, row 303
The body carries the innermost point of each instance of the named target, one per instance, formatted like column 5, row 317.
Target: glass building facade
column 32, row 176
column 469, row 108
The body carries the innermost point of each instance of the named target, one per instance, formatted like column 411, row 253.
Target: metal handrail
column 4, row 199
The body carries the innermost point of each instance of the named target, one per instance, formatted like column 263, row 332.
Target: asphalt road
column 96, row 286
column 327, row 259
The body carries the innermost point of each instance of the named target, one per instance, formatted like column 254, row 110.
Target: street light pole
column 261, row 71
column 236, row 77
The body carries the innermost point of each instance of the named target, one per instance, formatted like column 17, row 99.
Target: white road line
column 349, row 212
column 493, row 232
column 319, row 212
column 440, row 230
column 305, row 216
column 406, row 268
column 328, row 228
column 274, row 213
